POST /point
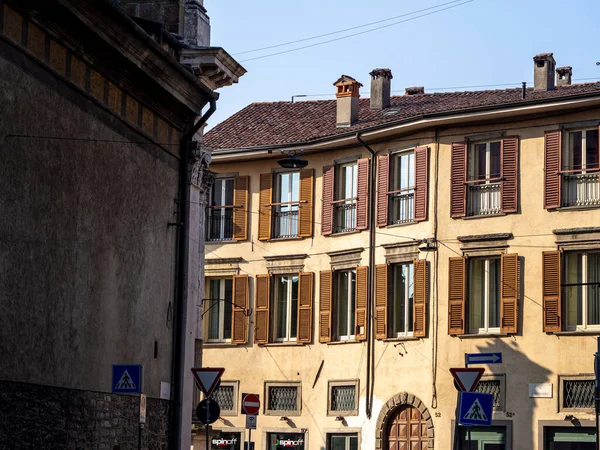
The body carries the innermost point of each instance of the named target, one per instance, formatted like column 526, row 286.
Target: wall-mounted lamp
column 339, row 418
column 428, row 245
column 284, row 418
column 292, row 162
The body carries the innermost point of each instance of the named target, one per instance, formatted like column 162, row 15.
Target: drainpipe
column 179, row 330
column 370, row 340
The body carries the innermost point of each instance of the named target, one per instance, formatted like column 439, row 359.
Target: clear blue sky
column 476, row 43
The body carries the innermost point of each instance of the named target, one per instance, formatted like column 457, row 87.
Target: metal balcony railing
column 581, row 189
column 285, row 221
column 219, row 224
column 484, row 199
column 402, row 207
column 344, row 215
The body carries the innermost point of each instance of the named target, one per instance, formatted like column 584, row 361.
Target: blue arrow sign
column 127, row 379
column 484, row 358
column 475, row 409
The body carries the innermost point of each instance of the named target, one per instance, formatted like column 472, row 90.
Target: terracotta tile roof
column 280, row 123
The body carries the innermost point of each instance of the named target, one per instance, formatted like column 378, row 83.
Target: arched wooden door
column 407, row 430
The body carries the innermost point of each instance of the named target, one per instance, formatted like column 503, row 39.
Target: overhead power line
column 344, row 30
column 358, row 34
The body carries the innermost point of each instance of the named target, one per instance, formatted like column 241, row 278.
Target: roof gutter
column 415, row 124
column 371, row 285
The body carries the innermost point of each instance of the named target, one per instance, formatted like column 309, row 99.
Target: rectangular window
column 346, row 193
column 283, row 398
column 286, row 205
column 581, row 290
column 285, row 308
column 569, row 438
column 219, row 223
column 483, row 438
column 218, row 310
column 343, row 398
column 285, row 441
column 483, row 178
column 226, row 396
column 345, row 304
column 339, row 441
column 400, row 304
column 401, row 197
column 579, row 163
column 484, row 295
column 576, row 393
column 493, row 384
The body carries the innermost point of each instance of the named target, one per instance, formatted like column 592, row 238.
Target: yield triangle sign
column 467, row 379
column 207, row 378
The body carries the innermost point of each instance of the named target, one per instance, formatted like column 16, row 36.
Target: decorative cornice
column 485, row 237
column 284, row 257
column 582, row 230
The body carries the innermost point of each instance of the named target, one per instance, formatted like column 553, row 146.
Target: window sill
column 295, row 238
column 221, row 241
column 577, row 208
column 284, row 344
column 403, row 224
column 283, row 413
column 401, row 339
column 576, row 333
column 483, row 216
column 342, row 413
column 345, row 233
column 221, row 345
column 481, row 335
column 350, row 341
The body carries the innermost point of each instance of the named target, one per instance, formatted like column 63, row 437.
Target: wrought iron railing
column 283, row 398
column 345, row 215
column 343, row 398
column 581, row 189
column 285, row 221
column 402, row 207
column 484, row 199
column 219, row 224
column 578, row 394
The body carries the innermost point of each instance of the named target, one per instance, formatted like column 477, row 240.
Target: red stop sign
column 250, row 404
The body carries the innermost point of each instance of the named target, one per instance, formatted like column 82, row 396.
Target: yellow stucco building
column 421, row 228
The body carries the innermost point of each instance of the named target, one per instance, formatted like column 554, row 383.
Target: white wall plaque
column 540, row 390
column 165, row 390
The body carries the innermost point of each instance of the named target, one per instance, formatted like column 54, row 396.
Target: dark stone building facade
column 97, row 119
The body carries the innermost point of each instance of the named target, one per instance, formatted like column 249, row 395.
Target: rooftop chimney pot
column 380, row 88
column 543, row 72
column 564, row 75
column 414, row 90
column 347, row 94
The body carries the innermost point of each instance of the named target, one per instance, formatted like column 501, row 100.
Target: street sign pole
column 207, row 422
column 249, row 434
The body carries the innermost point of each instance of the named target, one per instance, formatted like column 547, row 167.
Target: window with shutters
column 343, row 398
column 284, row 317
column 580, row 169
column 483, row 178
column 286, row 205
column 401, row 196
column 484, row 295
column 283, row 398
column 400, row 302
column 581, row 290
column 345, row 201
column 344, row 307
column 218, row 310
column 219, row 221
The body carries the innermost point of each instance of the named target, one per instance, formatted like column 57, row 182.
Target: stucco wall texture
column 86, row 252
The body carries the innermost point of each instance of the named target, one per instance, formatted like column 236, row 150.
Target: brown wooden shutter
column 263, row 303
column 510, row 167
column 381, row 299
column 362, row 194
column 305, row 305
column 239, row 327
column 420, row 298
column 305, row 213
column 362, row 295
column 552, row 176
column 509, row 293
column 327, row 207
column 264, row 211
column 421, row 183
column 325, row 303
column 458, row 178
column 456, row 296
column 240, row 213
column 383, row 184
column 551, row 272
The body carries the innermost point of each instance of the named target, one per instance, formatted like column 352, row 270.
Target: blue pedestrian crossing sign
column 127, row 379
column 476, row 409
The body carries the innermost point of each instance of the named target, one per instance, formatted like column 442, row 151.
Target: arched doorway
column 406, row 430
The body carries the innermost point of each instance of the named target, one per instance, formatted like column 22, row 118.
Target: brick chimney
column 564, row 75
column 543, row 72
column 380, row 88
column 347, row 94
